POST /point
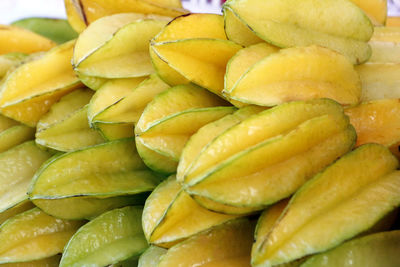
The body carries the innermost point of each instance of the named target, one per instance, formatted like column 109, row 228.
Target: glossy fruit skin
column 373, row 250
column 292, row 238
column 219, row 171
column 34, row 235
column 344, row 27
column 109, row 238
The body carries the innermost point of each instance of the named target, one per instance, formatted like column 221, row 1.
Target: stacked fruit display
column 268, row 136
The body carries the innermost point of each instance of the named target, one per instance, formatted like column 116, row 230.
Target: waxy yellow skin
column 34, row 235
column 16, row 39
column 223, row 245
column 348, row 204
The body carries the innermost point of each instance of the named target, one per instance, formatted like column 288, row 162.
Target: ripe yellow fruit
column 16, row 39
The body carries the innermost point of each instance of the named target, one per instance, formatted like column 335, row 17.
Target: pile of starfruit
column 145, row 135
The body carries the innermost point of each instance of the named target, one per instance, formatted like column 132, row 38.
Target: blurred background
column 11, row 10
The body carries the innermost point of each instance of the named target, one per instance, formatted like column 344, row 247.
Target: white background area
column 11, row 10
